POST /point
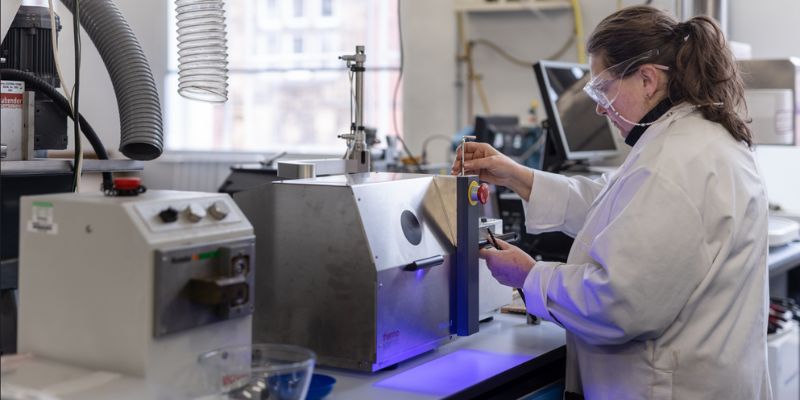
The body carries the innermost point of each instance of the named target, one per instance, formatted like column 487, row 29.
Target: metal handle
column 219, row 291
column 425, row 263
column 510, row 237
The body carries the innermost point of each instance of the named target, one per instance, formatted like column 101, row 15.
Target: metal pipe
column 717, row 9
column 359, row 71
column 357, row 138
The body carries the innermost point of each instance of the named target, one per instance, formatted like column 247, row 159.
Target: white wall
column 429, row 85
column 773, row 29
column 430, row 41
column 429, row 92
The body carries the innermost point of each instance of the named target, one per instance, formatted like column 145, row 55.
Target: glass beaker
column 258, row 371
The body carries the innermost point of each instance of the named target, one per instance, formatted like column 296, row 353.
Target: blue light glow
column 452, row 373
column 420, row 274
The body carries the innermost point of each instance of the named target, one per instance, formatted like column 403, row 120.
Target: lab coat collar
column 653, row 115
column 677, row 112
column 674, row 113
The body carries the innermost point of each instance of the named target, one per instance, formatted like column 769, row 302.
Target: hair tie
column 682, row 31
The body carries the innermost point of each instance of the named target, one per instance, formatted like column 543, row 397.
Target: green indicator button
column 209, row 254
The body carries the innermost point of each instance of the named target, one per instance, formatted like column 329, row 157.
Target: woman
column 664, row 293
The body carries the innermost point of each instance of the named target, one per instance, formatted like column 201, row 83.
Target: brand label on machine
column 42, row 218
column 390, row 338
column 11, row 94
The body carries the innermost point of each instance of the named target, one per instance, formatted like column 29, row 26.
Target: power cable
column 77, row 165
column 430, row 139
column 56, row 56
column 34, row 82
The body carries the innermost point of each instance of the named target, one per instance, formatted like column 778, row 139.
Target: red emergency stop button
column 128, row 186
column 483, row 193
column 478, row 193
column 128, row 183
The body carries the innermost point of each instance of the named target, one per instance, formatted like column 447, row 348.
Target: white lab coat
column 664, row 294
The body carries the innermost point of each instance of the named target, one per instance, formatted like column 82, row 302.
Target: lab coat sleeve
column 647, row 261
column 560, row 203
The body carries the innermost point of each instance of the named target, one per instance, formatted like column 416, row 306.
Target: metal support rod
column 357, row 138
column 359, row 72
column 463, row 148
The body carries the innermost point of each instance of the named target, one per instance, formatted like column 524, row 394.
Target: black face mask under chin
column 653, row 115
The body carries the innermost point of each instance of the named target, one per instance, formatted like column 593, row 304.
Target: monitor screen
column 571, row 113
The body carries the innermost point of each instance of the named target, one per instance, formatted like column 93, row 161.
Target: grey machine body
column 357, row 267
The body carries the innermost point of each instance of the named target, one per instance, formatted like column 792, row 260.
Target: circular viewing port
column 411, row 227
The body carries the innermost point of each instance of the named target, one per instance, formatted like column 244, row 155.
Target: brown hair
column 702, row 68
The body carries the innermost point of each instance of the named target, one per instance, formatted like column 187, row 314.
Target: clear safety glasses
column 605, row 87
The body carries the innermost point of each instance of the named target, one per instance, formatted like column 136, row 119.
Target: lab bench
column 507, row 359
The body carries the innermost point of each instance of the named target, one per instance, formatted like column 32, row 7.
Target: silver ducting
column 141, row 135
column 717, row 9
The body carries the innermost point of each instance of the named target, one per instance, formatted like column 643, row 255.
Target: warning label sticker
column 11, row 94
column 42, row 218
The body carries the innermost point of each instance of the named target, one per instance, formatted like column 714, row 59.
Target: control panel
column 165, row 216
column 198, row 285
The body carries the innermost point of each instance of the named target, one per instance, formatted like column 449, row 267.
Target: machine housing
column 135, row 285
column 362, row 268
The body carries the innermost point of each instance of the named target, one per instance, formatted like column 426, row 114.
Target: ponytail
column 703, row 71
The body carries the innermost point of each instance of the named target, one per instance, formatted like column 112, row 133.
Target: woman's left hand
column 509, row 265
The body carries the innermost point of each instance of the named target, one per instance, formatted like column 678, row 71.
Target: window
column 297, row 44
column 327, row 8
column 287, row 89
column 298, row 8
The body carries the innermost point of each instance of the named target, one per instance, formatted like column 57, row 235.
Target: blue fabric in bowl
column 321, row 386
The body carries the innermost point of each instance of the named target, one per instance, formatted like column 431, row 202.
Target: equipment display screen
column 584, row 133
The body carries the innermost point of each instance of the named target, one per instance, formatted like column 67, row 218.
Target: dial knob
column 168, row 215
column 218, row 210
column 194, row 213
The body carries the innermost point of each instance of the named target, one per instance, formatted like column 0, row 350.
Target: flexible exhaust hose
column 141, row 134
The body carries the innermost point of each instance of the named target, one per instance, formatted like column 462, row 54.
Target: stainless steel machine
column 138, row 285
column 366, row 269
column 772, row 94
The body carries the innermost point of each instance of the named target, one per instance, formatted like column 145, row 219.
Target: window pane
column 275, row 111
column 298, row 8
column 287, row 88
column 327, row 8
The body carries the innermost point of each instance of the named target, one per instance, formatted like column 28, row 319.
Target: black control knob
column 168, row 215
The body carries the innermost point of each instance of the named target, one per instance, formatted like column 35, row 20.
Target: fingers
column 486, row 252
column 456, row 169
column 503, row 245
column 474, row 152
column 474, row 166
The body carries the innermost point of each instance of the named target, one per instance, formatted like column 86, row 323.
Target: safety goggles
column 604, row 88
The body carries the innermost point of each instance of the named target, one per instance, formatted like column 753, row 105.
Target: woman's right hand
column 485, row 161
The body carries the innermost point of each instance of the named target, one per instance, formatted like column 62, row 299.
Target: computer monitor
column 578, row 132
